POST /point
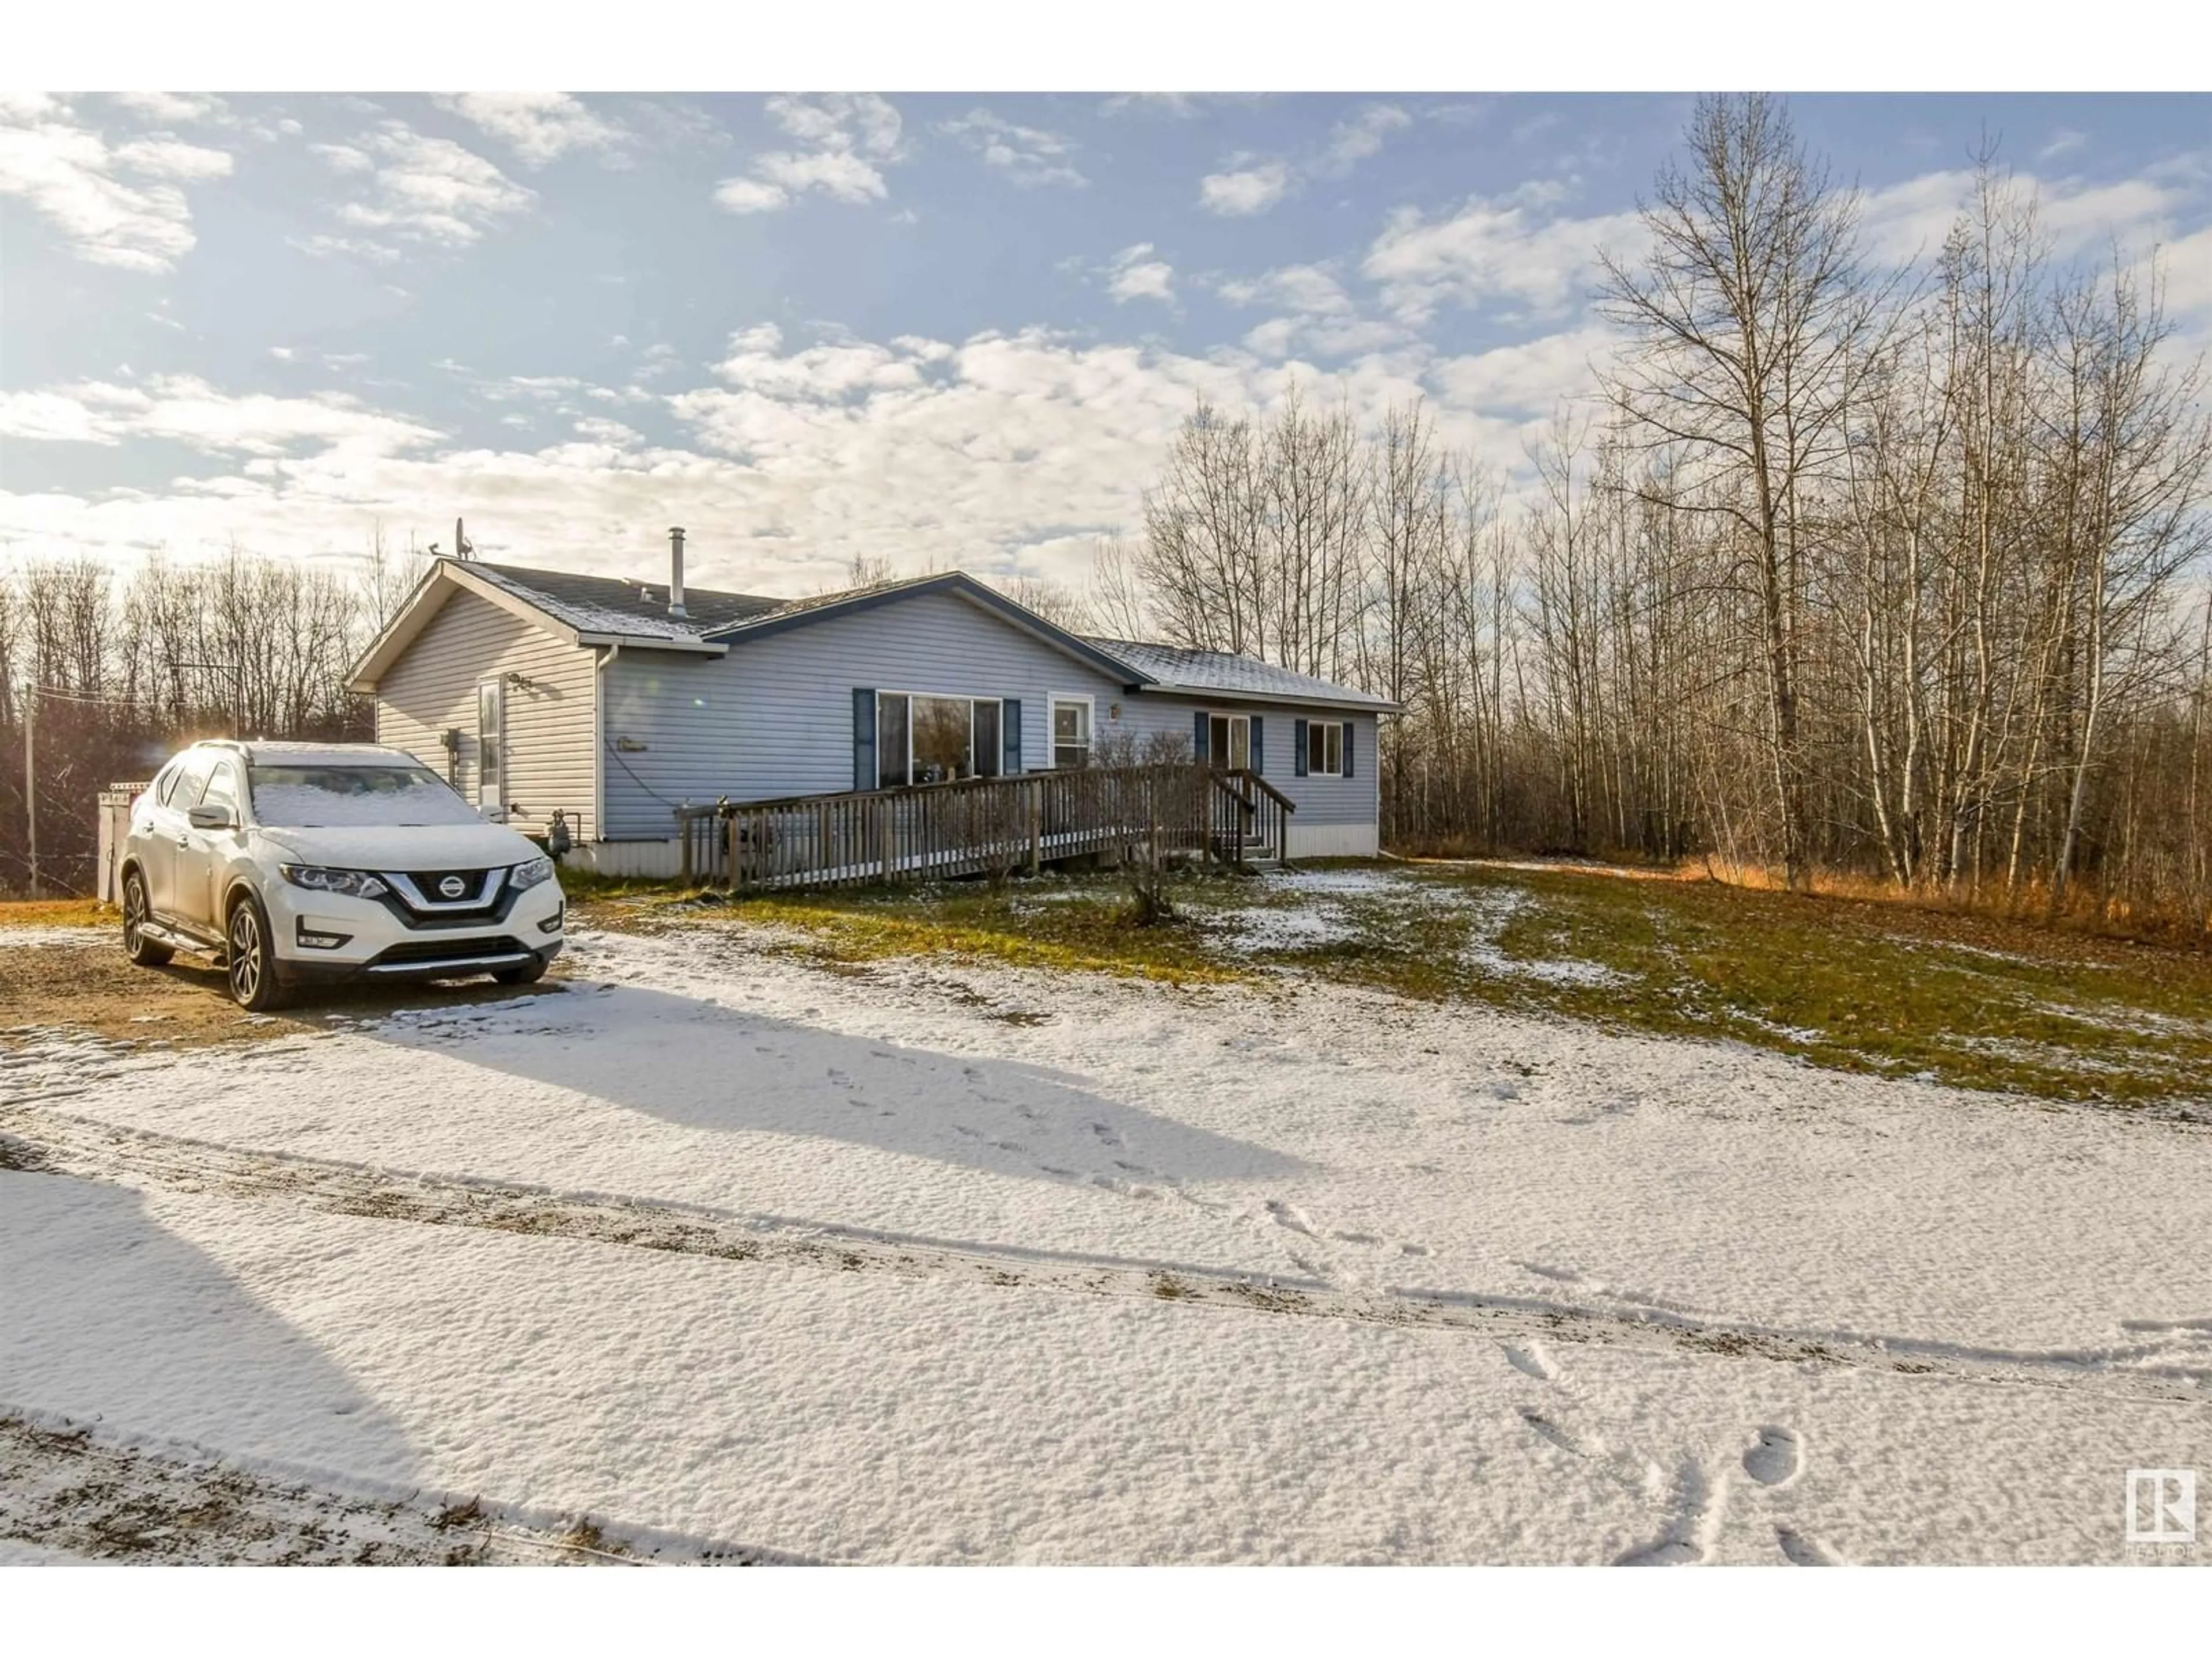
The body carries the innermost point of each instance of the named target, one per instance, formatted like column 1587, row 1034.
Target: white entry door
column 491, row 749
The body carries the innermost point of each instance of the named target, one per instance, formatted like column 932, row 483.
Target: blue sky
column 940, row 329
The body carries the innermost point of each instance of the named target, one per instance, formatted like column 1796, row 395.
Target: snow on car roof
column 327, row 754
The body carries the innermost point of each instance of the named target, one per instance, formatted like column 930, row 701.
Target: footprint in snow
column 1776, row 1458
column 1562, row 1275
column 1532, row 1361
column 1551, row 1431
column 1802, row 1550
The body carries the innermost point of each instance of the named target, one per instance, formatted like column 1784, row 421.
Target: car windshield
column 352, row 797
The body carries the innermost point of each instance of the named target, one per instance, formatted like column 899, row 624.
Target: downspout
column 599, row 740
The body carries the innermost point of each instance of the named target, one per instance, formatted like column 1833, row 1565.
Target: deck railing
column 984, row 825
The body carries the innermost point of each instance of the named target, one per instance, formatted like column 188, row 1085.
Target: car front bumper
column 322, row 938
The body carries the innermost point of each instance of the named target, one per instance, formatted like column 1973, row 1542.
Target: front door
column 491, row 749
column 1228, row 742
column 166, row 832
column 202, row 855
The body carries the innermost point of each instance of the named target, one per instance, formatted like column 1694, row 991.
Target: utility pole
column 30, row 777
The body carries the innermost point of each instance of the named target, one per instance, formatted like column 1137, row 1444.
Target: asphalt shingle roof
column 608, row 604
column 1175, row 666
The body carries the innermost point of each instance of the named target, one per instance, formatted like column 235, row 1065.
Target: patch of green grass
column 1852, row 985
column 1845, row 984
column 1072, row 927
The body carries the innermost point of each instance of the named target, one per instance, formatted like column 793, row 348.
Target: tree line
column 1897, row 574
column 102, row 679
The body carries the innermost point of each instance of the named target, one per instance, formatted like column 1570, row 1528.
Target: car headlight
column 530, row 874
column 348, row 883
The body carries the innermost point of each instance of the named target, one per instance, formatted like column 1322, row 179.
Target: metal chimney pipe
column 676, row 571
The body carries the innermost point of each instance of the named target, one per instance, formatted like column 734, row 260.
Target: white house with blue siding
column 614, row 703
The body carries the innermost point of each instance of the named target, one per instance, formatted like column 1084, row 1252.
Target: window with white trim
column 1325, row 749
column 1071, row 732
column 1228, row 742
column 924, row 738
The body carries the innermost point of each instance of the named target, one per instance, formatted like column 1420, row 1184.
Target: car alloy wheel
column 135, row 913
column 247, row 963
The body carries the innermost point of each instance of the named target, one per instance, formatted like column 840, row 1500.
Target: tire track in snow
column 2172, row 1365
column 69, row 1486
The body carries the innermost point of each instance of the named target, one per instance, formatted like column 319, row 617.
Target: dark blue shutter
column 1349, row 728
column 1010, row 720
column 1197, row 735
column 864, row 739
column 1297, row 749
column 1256, row 767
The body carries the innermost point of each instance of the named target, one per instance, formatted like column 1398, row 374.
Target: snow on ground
column 1909, row 1323
column 31, row 938
column 843, row 1417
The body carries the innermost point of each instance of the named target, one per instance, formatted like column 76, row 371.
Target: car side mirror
column 213, row 818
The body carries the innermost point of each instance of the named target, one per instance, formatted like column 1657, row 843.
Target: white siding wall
column 549, row 729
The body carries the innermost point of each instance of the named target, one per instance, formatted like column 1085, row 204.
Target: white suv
column 295, row 864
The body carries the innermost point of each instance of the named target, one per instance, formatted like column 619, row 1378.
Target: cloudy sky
column 940, row 329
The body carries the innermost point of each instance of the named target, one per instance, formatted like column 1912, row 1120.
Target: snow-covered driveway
column 924, row 1263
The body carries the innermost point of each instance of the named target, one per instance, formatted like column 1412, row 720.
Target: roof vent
column 676, row 571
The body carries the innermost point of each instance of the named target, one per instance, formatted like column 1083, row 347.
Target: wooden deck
column 983, row 826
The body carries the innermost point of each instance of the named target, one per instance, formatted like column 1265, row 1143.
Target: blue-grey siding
column 775, row 716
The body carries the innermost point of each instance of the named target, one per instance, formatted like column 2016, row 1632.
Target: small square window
column 1071, row 732
column 1325, row 749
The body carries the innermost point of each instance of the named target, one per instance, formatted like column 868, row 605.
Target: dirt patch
column 89, row 985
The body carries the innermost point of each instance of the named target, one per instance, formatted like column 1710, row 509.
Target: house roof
column 608, row 604
column 1224, row 674
column 607, row 611
column 957, row 582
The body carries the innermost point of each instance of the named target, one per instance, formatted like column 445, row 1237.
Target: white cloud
column 344, row 158
column 172, row 158
column 1498, row 253
column 171, row 109
column 850, row 133
column 1530, row 379
column 539, row 127
column 1309, row 289
column 857, row 121
column 186, row 409
column 1245, row 191
column 67, row 173
column 2064, row 141
column 1351, row 141
column 1911, row 219
column 423, row 190
column 1028, row 156
column 1134, row 273
column 839, row 174
column 999, row 451
column 750, row 195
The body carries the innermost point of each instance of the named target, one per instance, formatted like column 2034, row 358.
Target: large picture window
column 922, row 738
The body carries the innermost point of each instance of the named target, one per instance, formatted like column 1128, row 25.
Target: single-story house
column 614, row 703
